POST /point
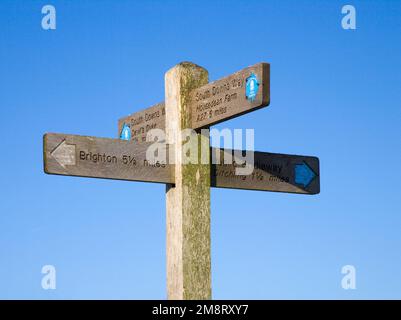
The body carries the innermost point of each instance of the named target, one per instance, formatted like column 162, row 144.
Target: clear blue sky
column 335, row 94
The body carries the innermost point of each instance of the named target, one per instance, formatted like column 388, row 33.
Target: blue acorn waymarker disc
column 252, row 86
column 125, row 132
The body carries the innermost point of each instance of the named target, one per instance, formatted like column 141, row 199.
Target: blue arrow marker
column 304, row 174
column 125, row 132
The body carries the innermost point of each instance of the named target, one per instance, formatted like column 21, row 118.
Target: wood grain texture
column 83, row 156
column 188, row 201
column 212, row 103
column 272, row 172
column 101, row 158
column 143, row 121
column 225, row 99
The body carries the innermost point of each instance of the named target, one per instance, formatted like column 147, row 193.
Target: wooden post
column 188, row 200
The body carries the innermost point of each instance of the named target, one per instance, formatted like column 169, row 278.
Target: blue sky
column 335, row 94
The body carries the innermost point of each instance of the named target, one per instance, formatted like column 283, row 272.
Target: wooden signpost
column 73, row 155
column 210, row 104
column 227, row 98
column 272, row 172
column 190, row 102
column 93, row 157
column 140, row 123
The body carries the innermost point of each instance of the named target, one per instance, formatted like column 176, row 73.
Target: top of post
column 187, row 65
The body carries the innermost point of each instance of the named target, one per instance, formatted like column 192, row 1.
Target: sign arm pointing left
column 83, row 156
column 64, row 154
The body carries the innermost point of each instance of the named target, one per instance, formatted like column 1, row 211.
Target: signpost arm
column 188, row 200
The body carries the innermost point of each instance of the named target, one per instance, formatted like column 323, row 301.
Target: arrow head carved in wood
column 64, row 154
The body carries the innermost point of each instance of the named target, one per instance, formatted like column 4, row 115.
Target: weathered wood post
column 188, row 200
column 189, row 103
